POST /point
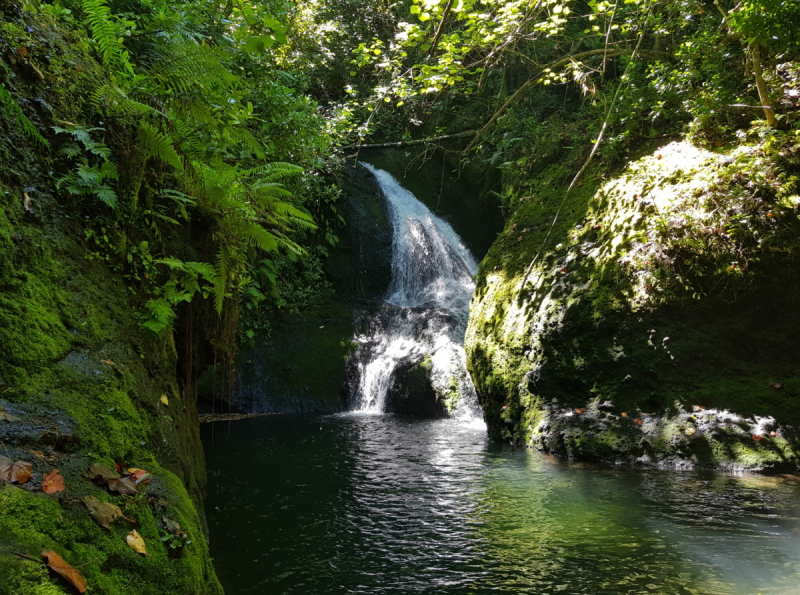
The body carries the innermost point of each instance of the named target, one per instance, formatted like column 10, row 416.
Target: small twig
column 27, row 557
column 90, row 561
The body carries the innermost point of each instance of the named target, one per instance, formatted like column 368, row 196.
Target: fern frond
column 272, row 172
column 157, row 145
column 260, row 237
column 104, row 33
column 220, row 281
column 11, row 108
column 107, row 195
column 178, row 197
column 114, row 101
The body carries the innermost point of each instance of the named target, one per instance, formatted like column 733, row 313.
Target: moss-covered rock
column 645, row 296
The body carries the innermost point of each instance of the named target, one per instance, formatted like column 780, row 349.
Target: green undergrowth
column 669, row 283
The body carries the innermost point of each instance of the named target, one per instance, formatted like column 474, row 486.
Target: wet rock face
column 361, row 265
column 301, row 366
column 412, row 392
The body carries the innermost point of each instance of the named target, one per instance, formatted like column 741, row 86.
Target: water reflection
column 377, row 504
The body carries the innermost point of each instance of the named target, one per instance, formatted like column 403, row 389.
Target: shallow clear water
column 379, row 504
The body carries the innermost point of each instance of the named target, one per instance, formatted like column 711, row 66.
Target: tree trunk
column 763, row 95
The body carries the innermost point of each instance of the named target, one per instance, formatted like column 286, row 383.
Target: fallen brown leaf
column 6, row 416
column 103, row 512
column 59, row 565
column 777, row 385
column 136, row 543
column 19, row 471
column 53, row 482
column 103, row 474
column 757, row 438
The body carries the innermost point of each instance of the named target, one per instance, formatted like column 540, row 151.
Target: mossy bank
column 657, row 323
column 79, row 382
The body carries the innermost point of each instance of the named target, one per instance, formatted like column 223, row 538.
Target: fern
column 81, row 134
column 221, row 272
column 158, row 145
column 105, row 32
column 114, row 101
column 87, row 180
column 158, row 315
column 274, row 172
column 10, row 108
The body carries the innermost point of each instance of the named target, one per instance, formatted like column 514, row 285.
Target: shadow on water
column 382, row 504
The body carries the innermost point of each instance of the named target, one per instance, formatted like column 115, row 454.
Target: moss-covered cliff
column 658, row 323
column 79, row 383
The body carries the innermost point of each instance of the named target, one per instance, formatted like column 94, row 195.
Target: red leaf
column 53, row 482
column 757, row 438
column 579, row 411
column 18, row 471
column 59, row 565
column 638, row 422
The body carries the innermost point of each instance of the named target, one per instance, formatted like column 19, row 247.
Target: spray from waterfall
column 426, row 310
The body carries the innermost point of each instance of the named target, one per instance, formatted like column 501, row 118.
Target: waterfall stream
column 426, row 309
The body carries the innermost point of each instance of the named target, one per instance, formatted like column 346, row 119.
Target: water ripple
column 379, row 504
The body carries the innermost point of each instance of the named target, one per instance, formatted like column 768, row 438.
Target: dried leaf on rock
column 102, row 472
column 757, row 438
column 18, row 471
column 6, row 416
column 136, row 543
column 59, row 565
column 690, row 431
column 139, row 475
column 638, row 422
column 123, row 485
column 116, row 483
column 174, row 528
column 53, row 482
column 103, row 512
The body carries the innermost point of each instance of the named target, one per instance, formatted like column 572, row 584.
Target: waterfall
column 426, row 309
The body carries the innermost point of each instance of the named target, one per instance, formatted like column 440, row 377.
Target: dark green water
column 378, row 504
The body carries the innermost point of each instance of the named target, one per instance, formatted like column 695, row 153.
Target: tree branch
column 408, row 143
column 440, row 30
column 552, row 66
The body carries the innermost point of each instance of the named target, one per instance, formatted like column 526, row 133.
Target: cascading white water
column 427, row 307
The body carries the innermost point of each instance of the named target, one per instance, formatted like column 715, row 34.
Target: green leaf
column 415, row 9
